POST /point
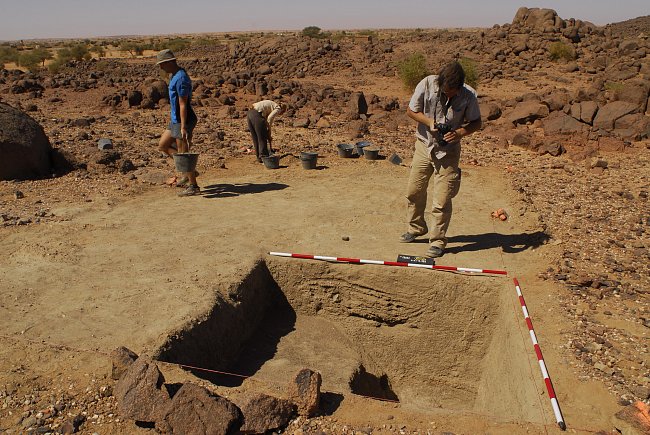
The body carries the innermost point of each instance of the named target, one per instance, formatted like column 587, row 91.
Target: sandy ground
column 128, row 273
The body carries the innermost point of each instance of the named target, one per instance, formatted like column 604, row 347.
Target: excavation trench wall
column 428, row 339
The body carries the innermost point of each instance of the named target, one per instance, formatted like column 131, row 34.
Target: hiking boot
column 408, row 237
column 185, row 181
column 434, row 252
column 190, row 191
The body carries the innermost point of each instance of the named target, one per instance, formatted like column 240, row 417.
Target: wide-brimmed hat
column 164, row 56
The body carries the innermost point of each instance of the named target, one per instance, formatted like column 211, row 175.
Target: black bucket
column 361, row 145
column 345, row 150
column 186, row 162
column 308, row 160
column 371, row 153
column 271, row 162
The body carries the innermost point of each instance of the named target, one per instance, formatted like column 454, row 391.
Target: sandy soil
column 130, row 272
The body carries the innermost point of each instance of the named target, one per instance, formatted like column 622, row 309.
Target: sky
column 33, row 19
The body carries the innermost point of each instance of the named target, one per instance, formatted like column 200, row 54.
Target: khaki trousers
column 446, row 183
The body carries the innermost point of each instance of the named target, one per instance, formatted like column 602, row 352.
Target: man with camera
column 446, row 109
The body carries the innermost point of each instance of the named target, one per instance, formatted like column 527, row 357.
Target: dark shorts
column 175, row 128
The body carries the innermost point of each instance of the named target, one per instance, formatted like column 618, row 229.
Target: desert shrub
column 312, row 32
column 32, row 59
column 338, row 36
column 367, row 32
column 205, row 42
column 66, row 54
column 8, row 54
column 614, row 86
column 178, row 44
column 133, row 48
column 412, row 69
column 99, row 50
column 559, row 50
column 471, row 72
column 76, row 52
column 102, row 65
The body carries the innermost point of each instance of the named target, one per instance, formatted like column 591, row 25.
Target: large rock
column 358, row 103
column 535, row 18
column 635, row 93
column 556, row 100
column 304, row 391
column 559, row 122
column 121, row 359
column 264, row 413
column 194, row 410
column 588, row 111
column 25, row 150
column 490, row 111
column 140, row 393
column 609, row 113
column 527, row 111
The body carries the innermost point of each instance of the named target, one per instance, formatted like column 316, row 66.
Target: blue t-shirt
column 180, row 85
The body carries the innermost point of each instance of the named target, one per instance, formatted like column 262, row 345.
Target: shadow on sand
column 510, row 243
column 228, row 190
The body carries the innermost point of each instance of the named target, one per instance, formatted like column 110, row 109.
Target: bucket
column 371, row 153
column 345, row 150
column 308, row 160
column 271, row 162
column 361, row 145
column 186, row 162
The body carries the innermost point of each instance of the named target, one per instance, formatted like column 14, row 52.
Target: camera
column 442, row 129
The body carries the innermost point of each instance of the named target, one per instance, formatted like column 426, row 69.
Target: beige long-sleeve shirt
column 269, row 109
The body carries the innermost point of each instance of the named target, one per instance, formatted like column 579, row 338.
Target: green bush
column 176, row 44
column 471, row 73
column 101, row 51
column 559, row 50
column 312, row 32
column 367, row 32
column 32, row 59
column 7, row 55
column 412, row 69
column 205, row 42
column 73, row 52
column 134, row 48
column 614, row 86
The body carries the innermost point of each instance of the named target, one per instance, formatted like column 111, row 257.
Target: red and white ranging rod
column 540, row 358
column 388, row 263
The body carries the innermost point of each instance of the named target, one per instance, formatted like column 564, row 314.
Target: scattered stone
column 121, row 359
column 264, row 413
column 105, row 144
column 139, row 392
column 194, row 410
column 304, row 391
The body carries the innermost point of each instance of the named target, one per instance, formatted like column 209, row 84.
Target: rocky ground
column 571, row 136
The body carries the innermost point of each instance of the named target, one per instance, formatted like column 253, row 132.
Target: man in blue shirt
column 178, row 136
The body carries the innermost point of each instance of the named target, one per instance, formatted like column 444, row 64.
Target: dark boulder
column 194, row 410
column 25, row 150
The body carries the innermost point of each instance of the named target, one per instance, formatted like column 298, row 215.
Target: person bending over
column 260, row 119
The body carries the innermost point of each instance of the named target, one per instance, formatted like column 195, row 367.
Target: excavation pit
column 428, row 339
